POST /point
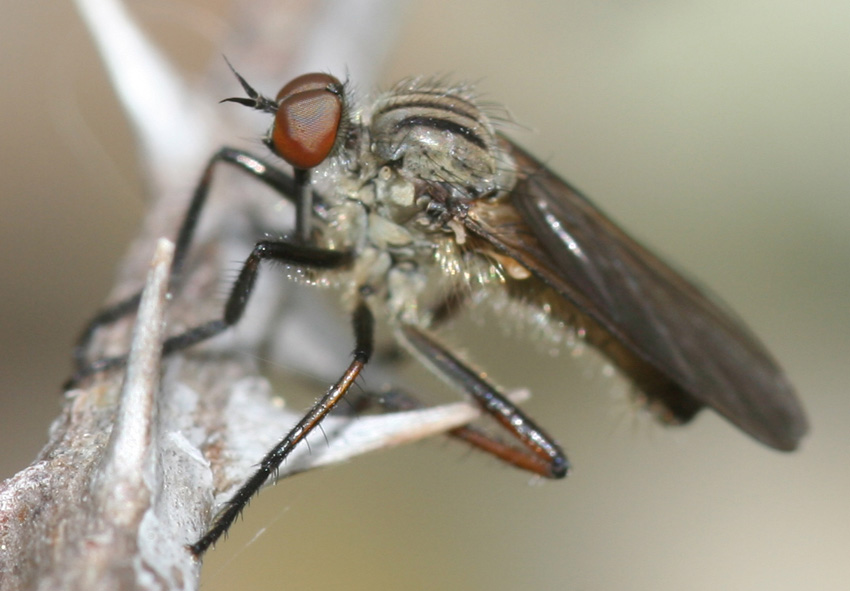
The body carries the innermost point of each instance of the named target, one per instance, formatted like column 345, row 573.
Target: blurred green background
column 718, row 133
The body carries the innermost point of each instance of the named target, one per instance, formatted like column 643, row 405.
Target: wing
column 683, row 349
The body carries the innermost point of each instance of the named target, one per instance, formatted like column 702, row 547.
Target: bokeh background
column 718, row 133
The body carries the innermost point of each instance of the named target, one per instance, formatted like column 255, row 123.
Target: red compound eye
column 307, row 120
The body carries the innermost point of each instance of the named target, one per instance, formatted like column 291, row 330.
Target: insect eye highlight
column 307, row 120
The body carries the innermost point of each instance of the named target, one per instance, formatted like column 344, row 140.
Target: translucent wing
column 683, row 349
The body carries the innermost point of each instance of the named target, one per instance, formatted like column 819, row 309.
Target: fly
column 418, row 205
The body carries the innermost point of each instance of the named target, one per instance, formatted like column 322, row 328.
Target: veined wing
column 681, row 347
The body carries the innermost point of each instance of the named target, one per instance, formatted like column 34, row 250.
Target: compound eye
column 307, row 121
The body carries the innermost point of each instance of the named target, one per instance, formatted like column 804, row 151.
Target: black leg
column 284, row 252
column 103, row 318
column 364, row 334
column 542, row 455
column 396, row 400
column 278, row 180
